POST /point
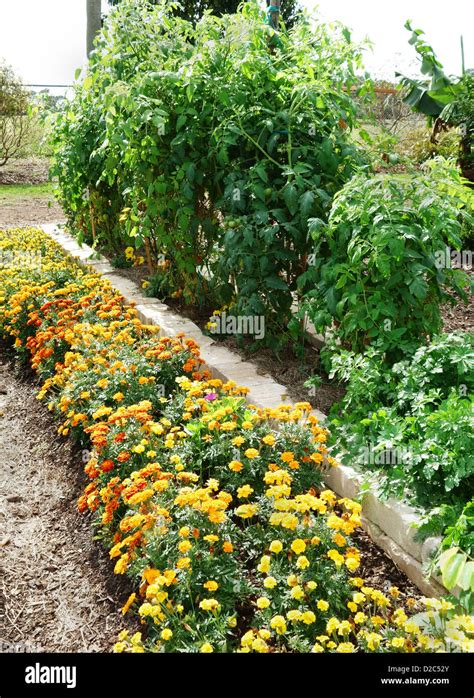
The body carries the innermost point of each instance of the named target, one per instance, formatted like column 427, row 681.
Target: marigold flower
column 278, row 624
column 251, row 453
column 262, row 602
column 211, row 585
column 298, row 546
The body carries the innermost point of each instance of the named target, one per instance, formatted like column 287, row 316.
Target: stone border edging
column 388, row 522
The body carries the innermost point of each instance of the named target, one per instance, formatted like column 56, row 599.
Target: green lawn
column 11, row 192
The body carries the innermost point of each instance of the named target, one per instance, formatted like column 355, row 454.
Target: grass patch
column 11, row 192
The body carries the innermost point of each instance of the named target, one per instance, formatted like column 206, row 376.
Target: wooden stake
column 91, row 211
column 149, row 261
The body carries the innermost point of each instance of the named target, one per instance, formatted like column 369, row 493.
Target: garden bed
column 235, row 569
column 390, row 523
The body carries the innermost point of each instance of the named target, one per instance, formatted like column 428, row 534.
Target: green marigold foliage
column 213, row 145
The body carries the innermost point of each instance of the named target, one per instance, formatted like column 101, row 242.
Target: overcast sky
column 44, row 40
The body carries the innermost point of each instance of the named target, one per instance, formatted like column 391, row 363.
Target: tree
column 194, row 9
column 446, row 101
column 94, row 22
column 14, row 103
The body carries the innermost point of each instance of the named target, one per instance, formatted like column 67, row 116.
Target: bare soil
column 34, row 208
column 58, row 592
column 22, row 212
column 25, row 171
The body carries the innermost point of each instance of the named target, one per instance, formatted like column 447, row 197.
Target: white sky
column 44, row 40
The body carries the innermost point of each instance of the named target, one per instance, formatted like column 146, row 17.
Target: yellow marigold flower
column 308, row 617
column 183, row 563
column 278, row 624
column 244, row 491
column 262, row 602
column 339, row 539
column 166, row 634
column 297, row 592
column 184, row 546
column 246, row 511
column 247, row 425
column 251, row 453
column 232, row 622
column 276, row 546
column 360, row 618
column 294, row 615
column 336, row 557
column 206, row 648
column 259, row 645
column 345, row 648
column 270, row 583
column 128, row 603
column 287, row 456
column 209, row 605
column 298, row 546
column 352, row 606
column 352, row 563
column 184, row 532
column 344, row 628
column 269, row 440
column 373, row 641
column 322, row 605
column 238, row 441
column 264, row 565
column 211, row 585
column 311, row 585
column 236, row 466
column 394, row 592
column 211, row 538
column 292, row 580
column 317, row 648
column 357, row 582
column 397, row 642
column 332, row 625
column 302, row 562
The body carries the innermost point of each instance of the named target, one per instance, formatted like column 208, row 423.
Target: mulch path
column 58, row 592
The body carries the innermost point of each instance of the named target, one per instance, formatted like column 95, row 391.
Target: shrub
column 379, row 273
column 14, row 120
column 420, row 413
column 211, row 148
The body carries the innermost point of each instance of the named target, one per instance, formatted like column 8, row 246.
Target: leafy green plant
column 456, row 559
column 199, row 140
column 444, row 100
column 379, row 276
column 420, row 412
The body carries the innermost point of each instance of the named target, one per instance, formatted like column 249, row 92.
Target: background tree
column 194, row 9
column 94, row 22
column 14, row 120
